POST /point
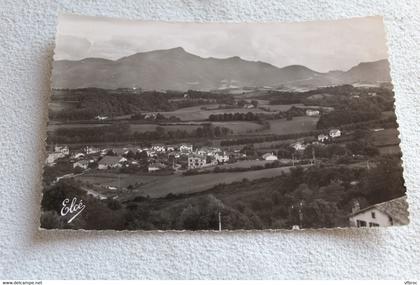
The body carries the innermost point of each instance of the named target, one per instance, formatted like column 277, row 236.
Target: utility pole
column 300, row 213
column 313, row 157
column 220, row 222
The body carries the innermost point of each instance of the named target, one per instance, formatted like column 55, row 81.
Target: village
column 160, row 157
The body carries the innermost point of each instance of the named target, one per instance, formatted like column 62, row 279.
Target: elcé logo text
column 72, row 207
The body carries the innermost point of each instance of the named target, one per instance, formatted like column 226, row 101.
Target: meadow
column 161, row 185
column 296, row 125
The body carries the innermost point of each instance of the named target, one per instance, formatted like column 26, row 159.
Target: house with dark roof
column 393, row 212
column 110, row 162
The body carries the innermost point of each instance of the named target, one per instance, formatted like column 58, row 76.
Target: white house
column 101, row 118
column 312, row 113
column 186, row 148
column 270, row 157
column 52, row 157
column 170, row 148
column 104, row 151
column 81, row 163
column 150, row 116
column 196, row 161
column 159, row 148
column 298, row 146
column 323, row 138
column 335, row 133
column 393, row 212
column 79, row 155
column 221, row 157
column 91, row 150
column 62, row 149
column 212, row 151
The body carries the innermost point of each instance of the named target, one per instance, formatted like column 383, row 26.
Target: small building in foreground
column 270, row 157
column 298, row 146
column 312, row 113
column 196, row 161
column 110, row 162
column 84, row 164
column 393, row 212
column 186, row 148
column 335, row 133
column 323, row 138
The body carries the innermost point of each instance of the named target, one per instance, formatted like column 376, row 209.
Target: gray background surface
column 27, row 30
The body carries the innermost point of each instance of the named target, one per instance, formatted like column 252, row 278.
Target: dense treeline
column 121, row 132
column 269, row 138
column 235, row 117
column 91, row 102
column 337, row 92
column 154, row 118
column 353, row 111
column 259, row 117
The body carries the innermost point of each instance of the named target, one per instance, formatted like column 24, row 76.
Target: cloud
column 320, row 45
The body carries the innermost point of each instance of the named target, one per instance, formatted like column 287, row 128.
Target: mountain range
column 176, row 69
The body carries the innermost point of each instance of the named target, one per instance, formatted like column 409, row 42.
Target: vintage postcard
column 221, row 126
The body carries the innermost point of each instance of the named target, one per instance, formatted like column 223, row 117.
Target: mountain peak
column 177, row 49
column 175, row 68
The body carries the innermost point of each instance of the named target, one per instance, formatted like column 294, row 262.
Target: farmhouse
column 62, row 149
column 150, row 116
column 81, row 163
column 186, row 148
column 323, row 138
column 335, row 133
column 79, row 155
column 298, row 146
column 110, row 162
column 159, row 148
column 209, row 151
column 221, row 157
column 104, row 151
column 52, row 157
column 269, row 156
column 393, row 212
column 170, row 148
column 91, row 150
column 101, row 118
column 312, row 113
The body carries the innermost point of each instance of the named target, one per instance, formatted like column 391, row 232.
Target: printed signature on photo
column 72, row 207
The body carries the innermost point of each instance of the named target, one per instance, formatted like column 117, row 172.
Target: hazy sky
column 320, row 45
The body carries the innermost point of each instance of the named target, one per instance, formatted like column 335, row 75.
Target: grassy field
column 278, row 108
column 57, row 106
column 141, row 128
column 297, row 125
column 393, row 149
column 160, row 186
column 236, row 127
column 385, row 137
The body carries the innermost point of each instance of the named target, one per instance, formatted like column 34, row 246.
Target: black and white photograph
column 221, row 126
